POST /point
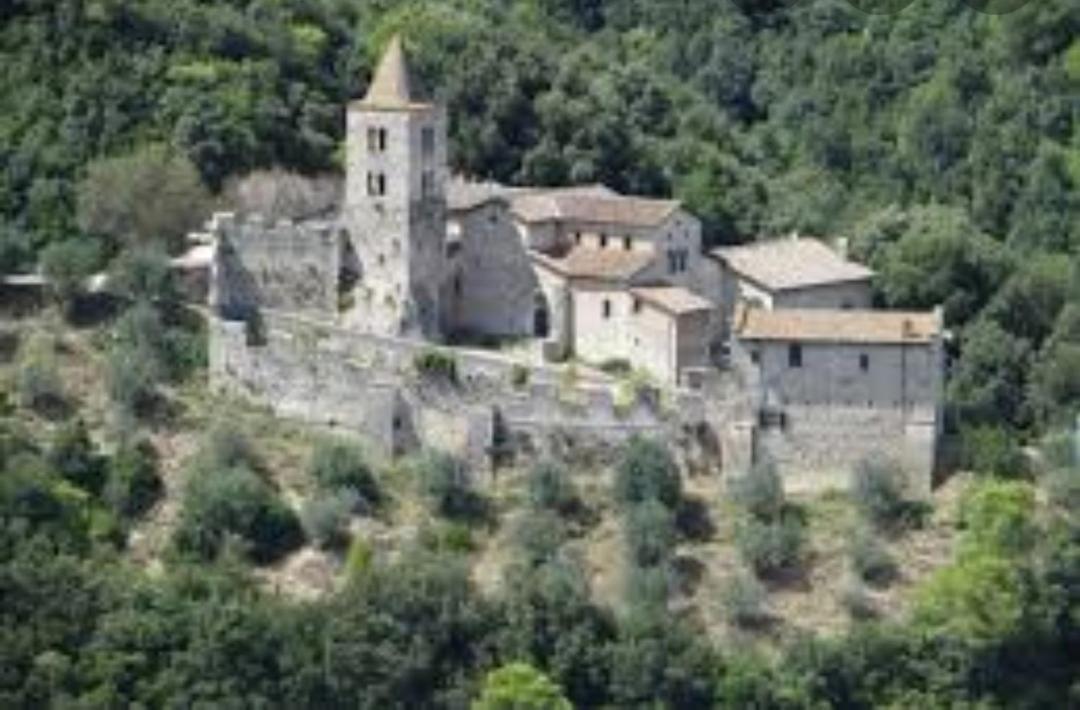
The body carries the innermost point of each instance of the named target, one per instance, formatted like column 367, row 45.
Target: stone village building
column 766, row 351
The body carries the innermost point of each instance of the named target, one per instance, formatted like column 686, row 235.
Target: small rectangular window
column 603, row 241
column 607, row 308
column 577, row 238
column 795, row 355
column 755, row 357
column 637, row 305
column 382, row 140
column 427, row 141
column 372, row 139
column 427, row 184
column 628, row 243
column 864, row 362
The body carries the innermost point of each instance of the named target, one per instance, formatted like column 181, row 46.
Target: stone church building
column 583, row 273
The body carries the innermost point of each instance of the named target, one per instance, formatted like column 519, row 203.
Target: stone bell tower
column 395, row 204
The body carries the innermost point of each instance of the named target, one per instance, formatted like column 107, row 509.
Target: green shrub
column 993, row 451
column 73, row 456
column 358, row 559
column 649, row 532
column 760, row 492
column 998, row 517
column 550, row 487
column 131, row 378
column 648, row 588
column 744, row 601
column 646, row 471
column 38, row 381
column 540, row 534
column 444, row 481
column 771, row 548
column 859, row 605
column 336, row 465
column 1063, row 489
column 227, row 446
column 871, row 559
column 878, row 492
column 67, row 265
column 519, row 686
column 133, row 484
column 326, row 518
column 447, row 536
column 436, row 364
column 234, row 503
column 144, row 274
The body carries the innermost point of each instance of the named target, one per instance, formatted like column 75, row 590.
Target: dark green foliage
column 234, row 503
column 444, row 481
column 646, row 471
column 144, row 274
column 326, row 518
column 878, row 492
column 447, row 537
column 152, row 197
column 437, row 365
column 771, row 548
column 550, row 487
column 133, row 484
column 993, row 451
column 540, row 534
column 37, row 381
column 870, row 558
column 340, row 465
column 72, row 455
column 649, row 531
column 67, row 265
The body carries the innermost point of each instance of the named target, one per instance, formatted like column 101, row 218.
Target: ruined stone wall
column 370, row 386
column 283, row 266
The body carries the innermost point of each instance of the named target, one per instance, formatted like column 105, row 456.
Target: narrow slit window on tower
column 381, row 184
column 628, row 243
column 794, row 355
column 372, row 139
column 607, row 308
column 864, row 362
column 382, row 140
column 427, row 184
column 427, row 141
column 603, row 241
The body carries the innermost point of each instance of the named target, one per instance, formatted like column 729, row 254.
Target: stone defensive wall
column 493, row 408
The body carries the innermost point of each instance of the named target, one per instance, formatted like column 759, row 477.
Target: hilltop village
column 769, row 351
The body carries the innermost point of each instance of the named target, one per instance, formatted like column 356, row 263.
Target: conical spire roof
column 392, row 86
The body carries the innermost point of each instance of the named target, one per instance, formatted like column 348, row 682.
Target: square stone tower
column 395, row 205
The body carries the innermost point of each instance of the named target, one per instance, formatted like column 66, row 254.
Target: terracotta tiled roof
column 790, row 263
column 594, row 204
column 392, row 85
column 599, row 264
column 837, row 326
column 673, row 299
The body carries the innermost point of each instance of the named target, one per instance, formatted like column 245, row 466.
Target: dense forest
column 941, row 141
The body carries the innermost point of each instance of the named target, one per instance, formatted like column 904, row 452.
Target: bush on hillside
column 993, row 451
column 339, row 465
column 326, row 518
column 771, row 548
column 871, row 559
column 72, row 455
column 550, row 487
column 649, row 532
column 131, row 379
column 234, row 503
column 133, row 484
column 744, row 600
column 38, row 380
column 444, row 481
column 67, row 265
column 878, row 492
column 540, row 534
column 760, row 492
column 647, row 471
